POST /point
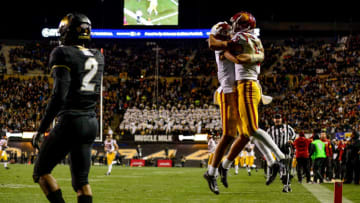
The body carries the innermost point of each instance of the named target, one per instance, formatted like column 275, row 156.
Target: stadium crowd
column 314, row 84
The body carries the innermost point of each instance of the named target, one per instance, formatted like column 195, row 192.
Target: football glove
column 37, row 139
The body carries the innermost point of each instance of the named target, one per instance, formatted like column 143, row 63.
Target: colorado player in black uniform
column 77, row 79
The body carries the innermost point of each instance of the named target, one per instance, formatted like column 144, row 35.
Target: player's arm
column 62, row 79
column 244, row 58
column 215, row 44
column 116, row 147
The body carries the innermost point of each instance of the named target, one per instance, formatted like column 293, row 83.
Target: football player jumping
column 247, row 53
column 231, row 102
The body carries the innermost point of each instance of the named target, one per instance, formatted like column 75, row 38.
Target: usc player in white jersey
column 247, row 53
column 3, row 146
column 110, row 147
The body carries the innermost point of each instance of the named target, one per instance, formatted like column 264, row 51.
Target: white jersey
column 211, row 146
column 250, row 149
column 3, row 143
column 251, row 44
column 110, row 145
column 226, row 69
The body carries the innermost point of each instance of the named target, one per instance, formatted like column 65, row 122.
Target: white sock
column 211, row 170
column 216, row 172
column 5, row 164
column 263, row 136
column 236, row 168
column 226, row 163
column 109, row 169
column 264, row 151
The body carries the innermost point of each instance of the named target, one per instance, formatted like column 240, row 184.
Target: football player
column 250, row 157
column 110, row 147
column 239, row 161
column 247, row 52
column 211, row 148
column 3, row 155
column 77, row 73
column 226, row 97
column 153, row 7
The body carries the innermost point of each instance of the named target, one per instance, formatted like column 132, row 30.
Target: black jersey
column 77, row 79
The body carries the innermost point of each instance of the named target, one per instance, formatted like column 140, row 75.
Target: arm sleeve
column 61, row 86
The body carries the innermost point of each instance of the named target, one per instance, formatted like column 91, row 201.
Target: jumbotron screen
column 151, row 12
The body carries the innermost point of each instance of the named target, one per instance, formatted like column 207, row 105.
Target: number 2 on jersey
column 92, row 65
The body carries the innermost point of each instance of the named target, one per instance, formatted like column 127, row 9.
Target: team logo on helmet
column 243, row 21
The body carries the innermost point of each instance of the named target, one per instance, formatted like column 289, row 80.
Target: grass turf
column 150, row 184
column 164, row 8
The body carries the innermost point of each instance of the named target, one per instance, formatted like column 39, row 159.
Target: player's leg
column 52, row 151
column 236, row 164
column 85, row 130
column 3, row 156
column 110, row 158
column 229, row 118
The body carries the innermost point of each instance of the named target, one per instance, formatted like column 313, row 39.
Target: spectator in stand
column 301, row 145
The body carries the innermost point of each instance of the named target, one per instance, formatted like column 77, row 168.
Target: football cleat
column 212, row 183
column 223, row 174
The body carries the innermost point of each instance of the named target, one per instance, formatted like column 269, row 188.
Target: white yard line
column 323, row 194
column 163, row 17
column 176, row 3
column 133, row 15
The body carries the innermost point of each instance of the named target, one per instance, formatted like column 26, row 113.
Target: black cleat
column 7, row 167
column 223, row 174
column 285, row 189
column 274, row 171
column 212, row 183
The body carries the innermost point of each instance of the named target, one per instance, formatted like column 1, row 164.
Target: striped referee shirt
column 281, row 135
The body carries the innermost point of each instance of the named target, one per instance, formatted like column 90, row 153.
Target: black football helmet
column 75, row 29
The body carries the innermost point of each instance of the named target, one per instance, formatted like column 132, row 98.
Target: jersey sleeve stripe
column 61, row 66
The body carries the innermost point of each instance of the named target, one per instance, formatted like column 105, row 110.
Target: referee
column 283, row 135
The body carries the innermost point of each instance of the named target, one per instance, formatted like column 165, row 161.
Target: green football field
column 167, row 12
column 150, row 184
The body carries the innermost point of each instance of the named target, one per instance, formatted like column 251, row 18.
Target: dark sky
column 25, row 19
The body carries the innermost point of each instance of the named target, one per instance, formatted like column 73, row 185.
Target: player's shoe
column 274, row 171
column 7, row 167
column 249, row 173
column 287, row 188
column 223, row 174
column 212, row 183
column 108, row 173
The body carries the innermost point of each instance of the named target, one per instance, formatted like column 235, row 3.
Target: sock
column 236, row 168
column 5, row 164
column 110, row 167
column 265, row 138
column 211, row 170
column 216, row 172
column 55, row 197
column 226, row 163
column 84, row 199
column 265, row 151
